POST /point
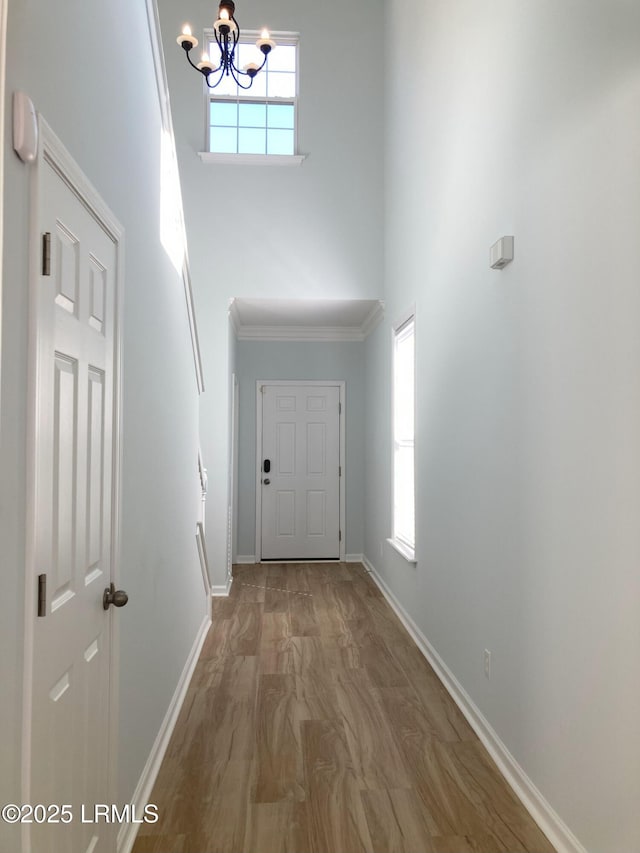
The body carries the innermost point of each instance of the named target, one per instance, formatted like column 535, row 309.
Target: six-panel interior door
column 76, row 313
column 301, row 491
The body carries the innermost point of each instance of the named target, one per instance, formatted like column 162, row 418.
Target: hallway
column 313, row 723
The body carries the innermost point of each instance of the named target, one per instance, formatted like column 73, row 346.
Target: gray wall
column 98, row 92
column 291, row 360
column 525, row 121
column 312, row 231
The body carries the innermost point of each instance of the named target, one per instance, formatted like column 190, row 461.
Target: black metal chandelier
column 227, row 36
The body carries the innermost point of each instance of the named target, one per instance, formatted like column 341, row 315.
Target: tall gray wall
column 523, row 120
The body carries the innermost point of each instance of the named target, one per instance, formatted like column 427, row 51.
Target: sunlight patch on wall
column 172, row 235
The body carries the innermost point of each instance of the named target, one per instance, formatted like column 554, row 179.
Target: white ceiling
column 305, row 319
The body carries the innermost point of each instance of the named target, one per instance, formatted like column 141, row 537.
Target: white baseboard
column 250, row 559
column 540, row 810
column 128, row 831
column 222, row 590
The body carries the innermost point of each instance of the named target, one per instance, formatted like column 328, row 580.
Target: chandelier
column 227, row 36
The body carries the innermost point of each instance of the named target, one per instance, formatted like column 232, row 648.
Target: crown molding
column 300, row 333
column 234, row 317
column 320, row 334
column 373, row 319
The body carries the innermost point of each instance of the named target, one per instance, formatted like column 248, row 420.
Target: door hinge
column 42, row 595
column 339, row 470
column 339, row 535
column 46, row 253
column 339, row 408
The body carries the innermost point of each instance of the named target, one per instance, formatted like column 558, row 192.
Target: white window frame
column 295, row 159
column 404, row 548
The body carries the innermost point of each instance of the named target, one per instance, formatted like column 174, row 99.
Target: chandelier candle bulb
column 224, row 26
column 186, row 37
column 206, row 64
column 266, row 45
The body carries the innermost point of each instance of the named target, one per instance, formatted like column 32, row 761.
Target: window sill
column 252, row 159
column 408, row 553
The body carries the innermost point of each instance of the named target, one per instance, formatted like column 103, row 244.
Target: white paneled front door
column 300, row 472
column 75, row 308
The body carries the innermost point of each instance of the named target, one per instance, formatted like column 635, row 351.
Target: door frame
column 53, row 152
column 341, row 385
column 233, row 486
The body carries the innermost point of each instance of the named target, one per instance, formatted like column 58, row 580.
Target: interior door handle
column 266, row 466
column 117, row 597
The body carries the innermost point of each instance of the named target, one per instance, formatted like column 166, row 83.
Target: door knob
column 117, row 597
column 267, row 481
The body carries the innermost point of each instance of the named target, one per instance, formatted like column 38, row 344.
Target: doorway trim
column 234, row 470
column 341, row 385
column 52, row 150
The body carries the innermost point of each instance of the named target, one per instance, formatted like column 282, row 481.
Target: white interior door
column 301, row 490
column 76, row 315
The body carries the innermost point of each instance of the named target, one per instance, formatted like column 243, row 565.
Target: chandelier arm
column 223, row 48
column 190, row 61
column 264, row 62
column 235, row 73
column 236, row 38
column 246, row 74
column 218, row 81
column 204, row 73
column 224, row 52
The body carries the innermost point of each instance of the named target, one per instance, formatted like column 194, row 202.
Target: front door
column 300, row 476
column 75, row 309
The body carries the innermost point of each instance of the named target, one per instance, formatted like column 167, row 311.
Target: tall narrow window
column 404, row 525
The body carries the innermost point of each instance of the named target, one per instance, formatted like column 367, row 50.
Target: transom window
column 262, row 119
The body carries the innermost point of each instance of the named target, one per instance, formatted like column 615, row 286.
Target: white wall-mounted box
column 501, row 253
column 25, row 127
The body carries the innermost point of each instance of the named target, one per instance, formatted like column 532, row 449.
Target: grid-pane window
column 403, row 434
column 262, row 119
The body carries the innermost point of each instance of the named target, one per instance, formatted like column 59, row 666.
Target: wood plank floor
column 313, row 724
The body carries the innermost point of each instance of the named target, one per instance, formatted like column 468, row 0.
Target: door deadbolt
column 267, row 481
column 117, row 597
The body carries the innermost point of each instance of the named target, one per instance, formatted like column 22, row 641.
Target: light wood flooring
column 314, row 725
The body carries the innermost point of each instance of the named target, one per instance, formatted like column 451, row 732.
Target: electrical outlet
column 487, row 663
